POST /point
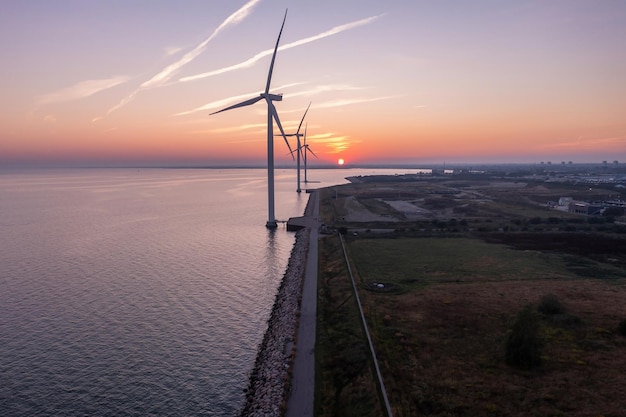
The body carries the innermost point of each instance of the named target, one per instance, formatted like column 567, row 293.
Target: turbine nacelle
column 273, row 97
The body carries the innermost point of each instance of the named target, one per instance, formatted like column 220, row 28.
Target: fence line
column 367, row 333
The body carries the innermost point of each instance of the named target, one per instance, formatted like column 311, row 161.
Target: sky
column 121, row 82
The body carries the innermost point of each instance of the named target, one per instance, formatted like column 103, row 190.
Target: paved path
column 300, row 402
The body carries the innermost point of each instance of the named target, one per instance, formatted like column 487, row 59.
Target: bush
column 549, row 304
column 621, row 328
column 523, row 344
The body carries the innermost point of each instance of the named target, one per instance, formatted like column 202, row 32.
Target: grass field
column 344, row 380
column 440, row 308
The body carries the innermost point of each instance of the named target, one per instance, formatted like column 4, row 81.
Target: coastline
column 268, row 388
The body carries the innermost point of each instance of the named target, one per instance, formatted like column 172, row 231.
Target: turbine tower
column 272, row 115
column 305, row 149
column 299, row 148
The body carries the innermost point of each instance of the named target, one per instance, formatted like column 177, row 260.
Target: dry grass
column 441, row 321
column 442, row 349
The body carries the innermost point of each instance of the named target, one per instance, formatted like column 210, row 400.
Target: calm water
column 138, row 292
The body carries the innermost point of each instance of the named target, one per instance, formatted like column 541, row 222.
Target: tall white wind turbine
column 299, row 147
column 272, row 115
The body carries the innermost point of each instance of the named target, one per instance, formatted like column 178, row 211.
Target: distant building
column 580, row 207
column 565, row 201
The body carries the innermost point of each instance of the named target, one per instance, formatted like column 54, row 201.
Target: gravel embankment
column 267, row 391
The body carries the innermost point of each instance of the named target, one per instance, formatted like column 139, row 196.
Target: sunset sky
column 122, row 82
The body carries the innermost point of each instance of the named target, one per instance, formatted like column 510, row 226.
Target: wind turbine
column 299, row 148
column 305, row 149
column 271, row 115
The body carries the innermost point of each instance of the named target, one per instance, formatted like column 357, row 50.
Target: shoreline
column 268, row 387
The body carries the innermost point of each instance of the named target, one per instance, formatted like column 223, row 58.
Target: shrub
column 523, row 344
column 549, row 304
column 621, row 328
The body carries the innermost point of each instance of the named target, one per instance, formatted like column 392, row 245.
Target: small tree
column 523, row 344
column 549, row 304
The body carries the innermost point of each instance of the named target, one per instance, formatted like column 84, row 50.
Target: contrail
column 260, row 55
column 168, row 72
column 81, row 90
column 165, row 75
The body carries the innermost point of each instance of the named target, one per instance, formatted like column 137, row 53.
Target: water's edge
column 268, row 388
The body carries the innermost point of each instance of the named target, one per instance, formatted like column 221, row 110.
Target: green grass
column 345, row 384
column 589, row 268
column 409, row 263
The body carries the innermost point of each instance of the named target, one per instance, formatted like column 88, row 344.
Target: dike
column 268, row 389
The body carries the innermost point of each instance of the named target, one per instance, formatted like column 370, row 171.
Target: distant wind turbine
column 272, row 115
column 299, row 148
column 305, row 149
column 302, row 151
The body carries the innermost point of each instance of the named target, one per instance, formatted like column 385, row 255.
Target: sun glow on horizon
column 432, row 104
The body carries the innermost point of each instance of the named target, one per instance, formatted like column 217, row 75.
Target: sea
column 139, row 292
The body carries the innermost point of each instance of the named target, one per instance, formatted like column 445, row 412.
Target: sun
column 340, row 161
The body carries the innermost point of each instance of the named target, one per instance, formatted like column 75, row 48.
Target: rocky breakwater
column 268, row 389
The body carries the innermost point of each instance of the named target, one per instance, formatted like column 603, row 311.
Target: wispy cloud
column 325, row 89
column 251, row 61
column 239, row 128
column 333, row 143
column 172, row 50
column 226, row 101
column 347, row 102
column 586, row 143
column 309, row 92
column 81, row 90
column 321, row 136
column 171, row 70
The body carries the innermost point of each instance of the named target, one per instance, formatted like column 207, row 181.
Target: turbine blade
column 272, row 109
column 300, row 125
column 269, row 75
column 305, row 126
column 242, row 104
column 309, row 149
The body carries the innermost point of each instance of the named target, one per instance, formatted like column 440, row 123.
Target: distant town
column 608, row 175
